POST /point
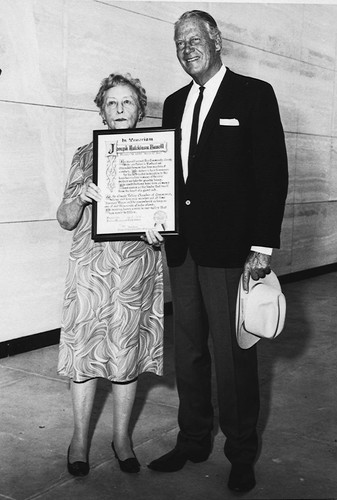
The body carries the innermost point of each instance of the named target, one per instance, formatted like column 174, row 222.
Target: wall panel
column 313, row 168
column 32, row 37
column 334, row 105
column 131, row 43
column 291, row 145
column 31, row 151
column 315, row 100
column 270, row 28
column 333, row 170
column 35, row 258
column 282, row 259
column 315, row 235
column 318, row 44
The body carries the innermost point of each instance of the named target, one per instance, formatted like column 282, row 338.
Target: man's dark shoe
column 241, row 478
column 175, row 460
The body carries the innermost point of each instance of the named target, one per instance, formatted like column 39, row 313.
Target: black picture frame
column 143, row 199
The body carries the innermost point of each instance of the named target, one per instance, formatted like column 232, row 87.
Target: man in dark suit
column 233, row 185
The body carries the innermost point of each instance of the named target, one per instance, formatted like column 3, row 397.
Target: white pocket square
column 229, row 122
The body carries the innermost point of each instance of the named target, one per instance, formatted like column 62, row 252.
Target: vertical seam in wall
column 65, row 79
column 293, row 206
column 334, row 89
column 295, row 159
column 333, row 120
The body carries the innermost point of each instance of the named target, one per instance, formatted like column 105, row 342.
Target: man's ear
column 218, row 44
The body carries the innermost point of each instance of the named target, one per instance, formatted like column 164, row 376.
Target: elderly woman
column 112, row 323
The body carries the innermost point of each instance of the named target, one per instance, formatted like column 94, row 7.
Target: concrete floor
column 298, row 422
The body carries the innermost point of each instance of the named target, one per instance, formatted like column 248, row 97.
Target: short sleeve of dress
column 80, row 171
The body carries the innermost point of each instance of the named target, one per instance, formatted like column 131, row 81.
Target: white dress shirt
column 211, row 89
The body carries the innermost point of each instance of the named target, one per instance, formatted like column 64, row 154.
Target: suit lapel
column 218, row 108
column 180, row 105
column 177, row 115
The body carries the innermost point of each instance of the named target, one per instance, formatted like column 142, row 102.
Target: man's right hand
column 257, row 265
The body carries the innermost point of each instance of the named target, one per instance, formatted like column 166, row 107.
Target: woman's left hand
column 152, row 237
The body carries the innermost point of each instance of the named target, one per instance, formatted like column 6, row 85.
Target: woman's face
column 120, row 108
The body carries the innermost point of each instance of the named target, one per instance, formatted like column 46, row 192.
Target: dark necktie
column 194, row 129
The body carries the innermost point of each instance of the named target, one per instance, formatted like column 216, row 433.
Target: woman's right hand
column 153, row 237
column 89, row 192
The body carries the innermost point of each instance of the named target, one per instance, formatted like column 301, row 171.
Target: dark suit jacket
column 235, row 192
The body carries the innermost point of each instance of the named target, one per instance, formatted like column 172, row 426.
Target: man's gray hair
column 209, row 21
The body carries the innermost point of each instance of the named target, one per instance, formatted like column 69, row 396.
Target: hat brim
column 244, row 338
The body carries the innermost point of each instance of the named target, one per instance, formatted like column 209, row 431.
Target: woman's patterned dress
column 112, row 325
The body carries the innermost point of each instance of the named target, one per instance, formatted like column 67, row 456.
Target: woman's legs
column 83, row 395
column 83, row 399
column 123, row 399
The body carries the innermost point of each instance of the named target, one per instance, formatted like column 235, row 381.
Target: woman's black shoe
column 128, row 465
column 77, row 468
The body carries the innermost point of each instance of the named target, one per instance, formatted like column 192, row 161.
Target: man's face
column 198, row 54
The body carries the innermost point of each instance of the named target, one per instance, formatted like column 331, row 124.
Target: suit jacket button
column 187, row 202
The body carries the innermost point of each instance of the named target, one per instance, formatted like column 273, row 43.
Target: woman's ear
column 101, row 114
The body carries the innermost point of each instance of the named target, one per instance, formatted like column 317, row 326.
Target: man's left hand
column 257, row 265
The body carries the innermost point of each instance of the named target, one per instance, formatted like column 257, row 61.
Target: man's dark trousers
column 204, row 301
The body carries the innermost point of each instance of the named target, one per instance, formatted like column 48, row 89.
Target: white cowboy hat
column 261, row 312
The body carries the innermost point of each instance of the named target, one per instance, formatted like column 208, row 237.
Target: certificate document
column 135, row 170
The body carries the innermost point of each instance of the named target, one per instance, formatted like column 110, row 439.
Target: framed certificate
column 135, row 170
